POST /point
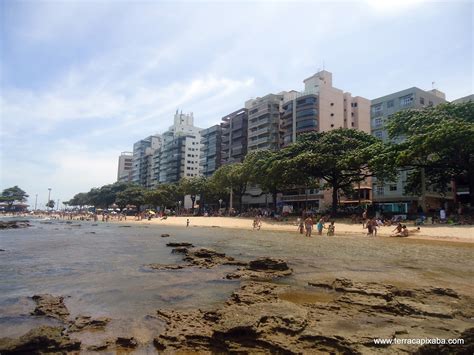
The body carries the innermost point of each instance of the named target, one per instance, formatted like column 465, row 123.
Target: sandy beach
column 464, row 234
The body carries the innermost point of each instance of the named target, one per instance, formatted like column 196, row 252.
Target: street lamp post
column 179, row 203
column 49, row 196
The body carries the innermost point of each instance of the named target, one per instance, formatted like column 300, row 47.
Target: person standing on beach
column 308, row 223
column 364, row 218
column 320, row 226
column 300, row 225
column 187, row 222
column 331, row 229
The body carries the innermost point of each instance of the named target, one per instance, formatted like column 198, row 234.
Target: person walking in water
column 308, row 223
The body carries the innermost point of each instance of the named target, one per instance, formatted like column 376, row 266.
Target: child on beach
column 331, row 229
column 320, row 226
column 300, row 225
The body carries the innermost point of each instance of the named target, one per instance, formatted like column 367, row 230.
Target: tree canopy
column 439, row 140
column 12, row 194
column 340, row 158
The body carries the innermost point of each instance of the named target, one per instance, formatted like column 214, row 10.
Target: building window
column 393, row 187
column 380, row 190
column 355, row 104
column 430, row 103
column 332, row 114
column 332, row 103
column 379, row 134
column 406, row 100
column 422, row 100
column 377, row 110
column 390, row 104
column 352, row 124
column 378, row 122
column 332, row 125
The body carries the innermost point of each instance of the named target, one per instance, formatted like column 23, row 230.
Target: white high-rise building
column 179, row 155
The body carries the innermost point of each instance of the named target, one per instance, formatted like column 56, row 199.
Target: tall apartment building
column 234, row 136
column 320, row 108
column 180, row 151
column 143, row 150
column 391, row 197
column 211, row 150
column 125, row 165
column 264, row 122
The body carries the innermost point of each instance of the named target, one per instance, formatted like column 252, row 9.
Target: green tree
column 233, row 177
column 164, row 195
column 439, row 140
column 195, row 186
column 13, row 194
column 132, row 195
column 340, row 158
column 50, row 204
column 81, row 199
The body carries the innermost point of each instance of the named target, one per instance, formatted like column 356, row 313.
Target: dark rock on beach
column 183, row 244
column 126, row 342
column 41, row 340
column 14, row 224
column 167, row 267
column 50, row 306
column 86, row 323
column 262, row 268
column 165, row 235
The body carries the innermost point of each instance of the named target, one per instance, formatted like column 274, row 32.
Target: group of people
column 307, row 225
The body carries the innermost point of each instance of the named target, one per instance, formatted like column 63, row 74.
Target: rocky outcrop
column 167, row 266
column 262, row 269
column 86, row 323
column 14, row 224
column 182, row 244
column 340, row 317
column 126, row 342
column 50, row 306
column 41, row 340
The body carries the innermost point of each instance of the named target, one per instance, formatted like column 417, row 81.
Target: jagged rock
column 182, row 244
column 268, row 264
column 180, row 250
column 50, row 306
column 107, row 344
column 86, row 322
column 262, row 268
column 453, row 349
column 40, row 340
column 206, row 258
column 165, row 235
column 14, row 224
column 126, row 342
column 167, row 267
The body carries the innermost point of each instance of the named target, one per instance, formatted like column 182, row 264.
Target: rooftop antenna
column 433, row 85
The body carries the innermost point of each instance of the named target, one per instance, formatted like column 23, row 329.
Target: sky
column 81, row 81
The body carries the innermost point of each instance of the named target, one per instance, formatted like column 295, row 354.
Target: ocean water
column 100, row 269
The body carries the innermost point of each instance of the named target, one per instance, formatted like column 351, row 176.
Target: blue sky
column 81, row 81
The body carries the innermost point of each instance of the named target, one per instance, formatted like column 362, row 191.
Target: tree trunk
column 470, row 178
column 274, row 197
column 334, row 201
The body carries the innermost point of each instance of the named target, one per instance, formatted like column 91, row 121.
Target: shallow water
column 99, row 269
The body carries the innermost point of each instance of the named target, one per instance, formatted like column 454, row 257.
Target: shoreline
column 439, row 233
